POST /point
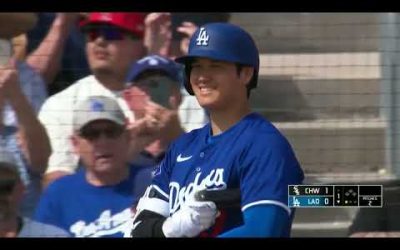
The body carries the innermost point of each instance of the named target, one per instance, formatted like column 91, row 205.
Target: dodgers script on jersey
column 252, row 155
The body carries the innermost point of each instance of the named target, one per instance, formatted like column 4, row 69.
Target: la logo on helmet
column 202, row 38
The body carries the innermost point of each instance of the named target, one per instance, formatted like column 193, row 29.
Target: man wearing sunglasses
column 96, row 201
column 113, row 41
column 11, row 193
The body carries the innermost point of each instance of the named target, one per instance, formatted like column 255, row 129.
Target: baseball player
column 236, row 149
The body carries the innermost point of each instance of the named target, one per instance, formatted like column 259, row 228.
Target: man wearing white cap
column 96, row 201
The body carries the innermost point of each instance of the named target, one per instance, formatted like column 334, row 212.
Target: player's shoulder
column 259, row 126
column 191, row 136
column 261, row 131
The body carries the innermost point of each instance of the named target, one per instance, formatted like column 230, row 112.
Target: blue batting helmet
column 224, row 42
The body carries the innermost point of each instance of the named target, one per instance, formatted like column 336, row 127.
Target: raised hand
column 166, row 119
column 158, row 33
column 188, row 29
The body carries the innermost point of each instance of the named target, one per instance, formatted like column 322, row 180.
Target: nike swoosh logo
column 181, row 159
column 136, row 224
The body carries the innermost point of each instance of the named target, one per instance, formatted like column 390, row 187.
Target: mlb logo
column 96, row 106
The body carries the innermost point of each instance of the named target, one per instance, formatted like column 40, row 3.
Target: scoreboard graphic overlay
column 335, row 196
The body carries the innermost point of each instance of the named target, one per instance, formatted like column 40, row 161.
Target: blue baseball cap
column 155, row 62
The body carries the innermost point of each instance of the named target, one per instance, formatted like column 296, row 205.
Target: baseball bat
column 222, row 198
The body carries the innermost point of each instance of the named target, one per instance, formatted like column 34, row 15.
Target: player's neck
column 222, row 120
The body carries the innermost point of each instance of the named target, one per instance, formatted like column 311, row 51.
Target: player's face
column 216, row 84
column 111, row 50
column 103, row 146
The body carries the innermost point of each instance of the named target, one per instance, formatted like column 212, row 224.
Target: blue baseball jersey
column 252, row 155
column 84, row 210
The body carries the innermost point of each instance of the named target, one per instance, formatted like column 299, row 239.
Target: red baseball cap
column 130, row 21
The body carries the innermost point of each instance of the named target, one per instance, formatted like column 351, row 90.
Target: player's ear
column 246, row 74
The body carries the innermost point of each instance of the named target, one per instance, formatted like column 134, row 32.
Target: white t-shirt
column 56, row 115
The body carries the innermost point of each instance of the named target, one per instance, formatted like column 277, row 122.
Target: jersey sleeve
column 162, row 174
column 274, row 223
column 267, row 166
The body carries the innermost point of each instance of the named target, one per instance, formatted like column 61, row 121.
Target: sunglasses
column 92, row 134
column 108, row 33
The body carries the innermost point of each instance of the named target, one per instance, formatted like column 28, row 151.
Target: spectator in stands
column 183, row 26
column 57, row 48
column 156, row 89
column 174, row 30
column 22, row 92
column 96, row 201
column 11, row 194
column 113, row 42
column 158, row 28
